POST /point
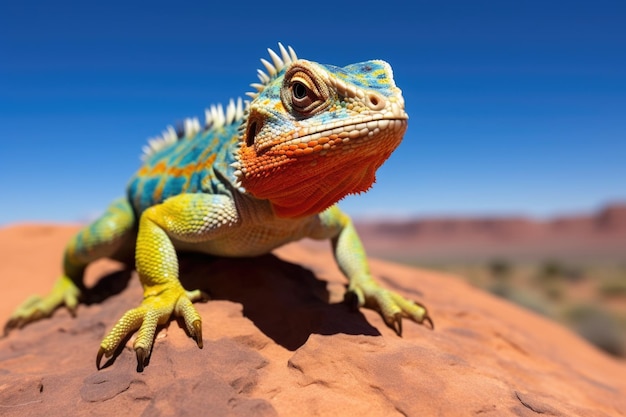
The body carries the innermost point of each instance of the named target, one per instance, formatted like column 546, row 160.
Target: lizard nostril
column 375, row 101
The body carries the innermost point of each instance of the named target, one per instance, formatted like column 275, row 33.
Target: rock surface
column 278, row 342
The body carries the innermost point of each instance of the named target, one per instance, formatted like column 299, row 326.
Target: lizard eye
column 298, row 90
column 304, row 92
column 302, row 97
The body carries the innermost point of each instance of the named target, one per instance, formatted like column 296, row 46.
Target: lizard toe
column 393, row 307
column 99, row 357
column 65, row 293
column 155, row 310
column 197, row 326
column 142, row 357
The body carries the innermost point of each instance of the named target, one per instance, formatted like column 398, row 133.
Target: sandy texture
column 279, row 342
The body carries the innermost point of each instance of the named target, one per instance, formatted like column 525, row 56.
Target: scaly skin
column 249, row 181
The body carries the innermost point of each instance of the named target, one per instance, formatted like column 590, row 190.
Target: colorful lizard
column 254, row 177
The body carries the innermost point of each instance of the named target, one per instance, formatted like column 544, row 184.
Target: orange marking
column 158, row 192
column 174, row 171
column 159, row 168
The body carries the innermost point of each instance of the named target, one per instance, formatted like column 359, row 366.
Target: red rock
column 278, row 342
column 599, row 236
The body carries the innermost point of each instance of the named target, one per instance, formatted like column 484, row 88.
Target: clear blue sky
column 515, row 107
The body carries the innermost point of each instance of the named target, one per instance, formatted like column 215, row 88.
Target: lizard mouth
column 325, row 138
column 328, row 136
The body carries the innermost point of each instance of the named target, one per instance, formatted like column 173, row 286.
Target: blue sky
column 515, row 107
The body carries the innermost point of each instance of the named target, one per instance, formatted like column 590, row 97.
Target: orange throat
column 307, row 184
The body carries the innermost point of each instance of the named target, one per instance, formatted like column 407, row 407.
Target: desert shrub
column 500, row 269
column 599, row 328
column 522, row 298
column 553, row 277
column 554, row 291
column 551, row 270
column 574, row 274
column 613, row 288
column 501, row 290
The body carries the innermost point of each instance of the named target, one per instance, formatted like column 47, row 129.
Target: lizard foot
column 391, row 305
column 156, row 309
column 65, row 292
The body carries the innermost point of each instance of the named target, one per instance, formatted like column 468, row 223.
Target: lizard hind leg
column 36, row 307
column 106, row 236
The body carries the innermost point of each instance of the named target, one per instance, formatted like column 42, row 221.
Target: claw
column 197, row 327
column 7, row 328
column 429, row 320
column 14, row 323
column 141, row 358
column 99, row 358
column 426, row 317
column 396, row 324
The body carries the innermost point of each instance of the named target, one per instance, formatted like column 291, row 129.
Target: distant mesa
column 598, row 236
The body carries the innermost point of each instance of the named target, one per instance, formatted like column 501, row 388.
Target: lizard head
column 315, row 133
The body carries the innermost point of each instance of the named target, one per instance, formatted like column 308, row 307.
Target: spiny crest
column 215, row 118
column 287, row 56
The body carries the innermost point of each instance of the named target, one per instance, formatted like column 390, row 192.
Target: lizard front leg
column 186, row 217
column 350, row 256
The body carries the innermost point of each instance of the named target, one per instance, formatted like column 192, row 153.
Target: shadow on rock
column 286, row 302
column 108, row 286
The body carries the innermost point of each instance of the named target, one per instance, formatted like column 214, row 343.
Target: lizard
column 255, row 176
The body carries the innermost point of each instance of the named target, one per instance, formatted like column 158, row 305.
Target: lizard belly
column 247, row 241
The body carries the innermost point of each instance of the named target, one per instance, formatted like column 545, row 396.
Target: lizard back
column 196, row 161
